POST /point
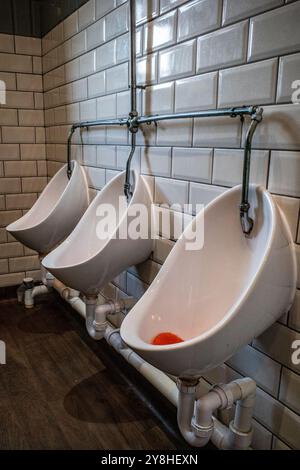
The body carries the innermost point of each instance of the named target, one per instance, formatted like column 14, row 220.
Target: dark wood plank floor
column 61, row 390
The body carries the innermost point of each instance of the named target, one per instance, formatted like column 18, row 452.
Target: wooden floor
column 62, row 390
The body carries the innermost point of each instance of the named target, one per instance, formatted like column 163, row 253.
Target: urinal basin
column 87, row 259
column 55, row 213
column 219, row 298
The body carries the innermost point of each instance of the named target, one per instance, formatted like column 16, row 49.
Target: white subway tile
column 290, row 207
column 146, row 70
column 28, row 45
column 156, row 161
column 33, row 152
column 222, row 48
column 196, row 93
column 11, row 279
column 89, row 155
column 238, row 9
column 166, row 5
column 95, row 34
column 279, row 445
column 72, row 70
column 86, row 14
column 192, row 164
column 11, row 135
column 122, row 157
column 289, row 72
column 104, row 6
column 198, row 17
column 117, row 22
column 203, row 194
column 19, row 99
column 106, row 55
column 88, row 110
column 117, row 135
column 31, row 117
column 78, row 44
column 169, row 191
column 79, row 90
column 106, row 156
column 279, row 128
column 122, row 48
column 135, row 286
column 117, row 78
column 10, row 185
column 8, row 117
column 96, row 84
column 178, row 61
column 275, row 33
column 20, row 168
column 276, row 342
column 106, row 107
column 160, row 32
column 228, row 167
column 284, row 173
column 9, row 79
column 70, row 25
column 178, row 132
column 15, row 63
column 277, row 418
column 7, row 43
column 146, row 10
column 217, row 132
column 87, row 64
column 252, row 363
column 28, row 82
column 6, row 218
column 158, row 99
column 9, row 152
column 290, row 389
column 162, row 248
column 24, row 264
column 3, row 266
column 95, row 177
column 39, row 100
column 294, row 316
column 60, row 116
column 238, row 86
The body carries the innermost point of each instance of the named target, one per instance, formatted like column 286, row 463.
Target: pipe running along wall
column 195, row 415
column 134, row 121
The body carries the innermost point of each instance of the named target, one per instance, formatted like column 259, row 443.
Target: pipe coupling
column 188, row 386
column 202, row 431
column 225, row 395
column 238, row 439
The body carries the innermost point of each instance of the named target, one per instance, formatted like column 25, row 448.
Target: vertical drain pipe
column 132, row 121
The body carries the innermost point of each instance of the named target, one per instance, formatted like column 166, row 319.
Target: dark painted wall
column 34, row 17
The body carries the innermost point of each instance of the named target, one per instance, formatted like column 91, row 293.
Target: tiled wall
column 23, row 172
column 192, row 55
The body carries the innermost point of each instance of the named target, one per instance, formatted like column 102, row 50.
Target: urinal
column 55, row 213
column 87, row 259
column 219, row 298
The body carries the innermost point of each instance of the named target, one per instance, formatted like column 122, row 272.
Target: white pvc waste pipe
column 236, row 436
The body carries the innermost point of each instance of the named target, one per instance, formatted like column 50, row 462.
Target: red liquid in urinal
column 162, row 339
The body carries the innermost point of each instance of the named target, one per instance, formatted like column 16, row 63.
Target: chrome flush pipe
column 246, row 220
column 133, row 114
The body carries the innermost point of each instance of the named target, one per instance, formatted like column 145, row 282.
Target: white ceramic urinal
column 95, row 254
column 55, row 213
column 219, row 298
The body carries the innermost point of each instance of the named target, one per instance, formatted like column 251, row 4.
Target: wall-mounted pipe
column 246, row 221
column 196, row 421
